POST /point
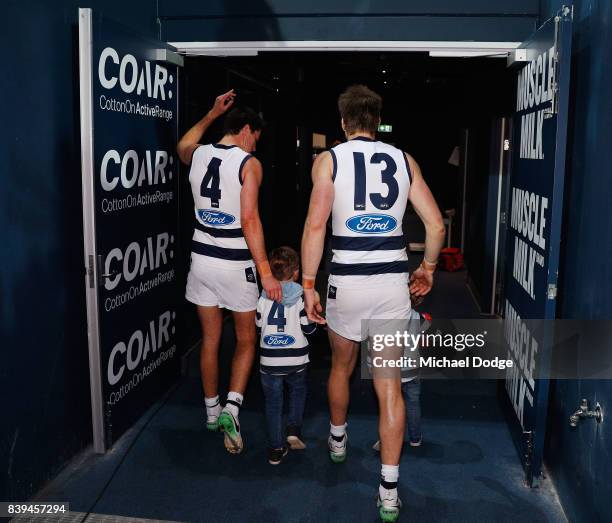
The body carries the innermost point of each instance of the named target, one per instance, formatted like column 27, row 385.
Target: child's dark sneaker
column 275, row 456
column 294, row 438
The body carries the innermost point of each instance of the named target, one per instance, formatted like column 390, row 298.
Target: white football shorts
column 347, row 306
column 213, row 285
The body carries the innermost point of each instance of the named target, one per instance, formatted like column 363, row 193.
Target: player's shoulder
column 251, row 160
column 322, row 158
column 384, row 145
column 199, row 150
column 323, row 164
column 411, row 163
column 250, row 164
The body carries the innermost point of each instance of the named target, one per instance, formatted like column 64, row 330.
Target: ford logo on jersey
column 215, row 218
column 371, row 223
column 279, row 340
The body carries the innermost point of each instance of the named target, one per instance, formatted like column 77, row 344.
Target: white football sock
column 338, row 431
column 213, row 406
column 233, row 403
column 388, row 481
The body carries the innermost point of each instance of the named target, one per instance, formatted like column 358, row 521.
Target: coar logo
column 215, row 218
column 371, row 223
column 279, row 340
column 145, row 77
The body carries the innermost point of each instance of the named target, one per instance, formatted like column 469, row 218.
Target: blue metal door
column 533, row 229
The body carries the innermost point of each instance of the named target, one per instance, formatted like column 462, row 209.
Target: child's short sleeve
column 307, row 326
column 258, row 320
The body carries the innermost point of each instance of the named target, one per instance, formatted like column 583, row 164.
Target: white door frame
column 434, row 48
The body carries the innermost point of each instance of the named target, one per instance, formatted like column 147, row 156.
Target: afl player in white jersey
column 365, row 185
column 226, row 252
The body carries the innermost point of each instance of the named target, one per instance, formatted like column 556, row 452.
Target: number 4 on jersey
column 277, row 317
column 210, row 183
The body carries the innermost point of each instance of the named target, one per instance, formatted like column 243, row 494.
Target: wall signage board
column 533, row 229
column 129, row 117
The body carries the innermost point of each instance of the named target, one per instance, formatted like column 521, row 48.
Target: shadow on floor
column 170, row 467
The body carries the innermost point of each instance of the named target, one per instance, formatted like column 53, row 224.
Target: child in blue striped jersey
column 284, row 355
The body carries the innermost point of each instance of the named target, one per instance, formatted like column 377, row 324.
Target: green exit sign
column 385, row 128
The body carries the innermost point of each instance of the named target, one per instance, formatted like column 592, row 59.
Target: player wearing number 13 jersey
column 366, row 184
column 227, row 249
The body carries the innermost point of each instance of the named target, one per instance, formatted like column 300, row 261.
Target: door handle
column 105, row 275
column 583, row 412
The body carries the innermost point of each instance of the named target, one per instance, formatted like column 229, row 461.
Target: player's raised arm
column 190, row 140
column 426, row 207
column 321, row 200
column 251, row 226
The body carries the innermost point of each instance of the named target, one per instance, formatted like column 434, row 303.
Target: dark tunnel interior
column 427, row 101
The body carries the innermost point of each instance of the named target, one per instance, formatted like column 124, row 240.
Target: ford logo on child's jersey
column 215, row 218
column 279, row 340
column 371, row 223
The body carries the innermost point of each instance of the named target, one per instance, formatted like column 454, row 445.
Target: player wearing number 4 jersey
column 365, row 185
column 226, row 251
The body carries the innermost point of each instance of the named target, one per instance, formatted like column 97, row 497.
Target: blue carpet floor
column 170, row 467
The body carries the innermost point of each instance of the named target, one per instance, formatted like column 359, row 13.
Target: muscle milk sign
column 529, row 223
column 535, row 88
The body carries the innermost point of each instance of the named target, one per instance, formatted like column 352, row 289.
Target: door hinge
column 529, row 448
column 528, row 455
column 90, row 271
column 506, row 144
column 552, row 291
column 502, row 217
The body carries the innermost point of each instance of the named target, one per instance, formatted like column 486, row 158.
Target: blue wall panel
column 339, row 28
column 580, row 459
column 318, row 8
column 445, row 20
column 44, row 396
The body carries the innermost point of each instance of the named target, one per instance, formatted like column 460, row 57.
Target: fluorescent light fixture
column 252, row 48
column 466, row 54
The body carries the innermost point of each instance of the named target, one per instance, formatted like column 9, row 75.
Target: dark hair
column 284, row 261
column 360, row 109
column 238, row 117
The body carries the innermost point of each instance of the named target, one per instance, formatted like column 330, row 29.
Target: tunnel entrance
column 451, row 114
column 446, row 112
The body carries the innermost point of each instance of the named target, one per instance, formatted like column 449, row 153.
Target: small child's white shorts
column 212, row 284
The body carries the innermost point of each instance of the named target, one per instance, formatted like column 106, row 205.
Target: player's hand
column 421, row 282
column 222, row 103
column 272, row 287
column 312, row 304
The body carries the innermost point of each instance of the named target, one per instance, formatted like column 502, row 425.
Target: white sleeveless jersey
column 371, row 181
column 216, row 182
column 284, row 348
